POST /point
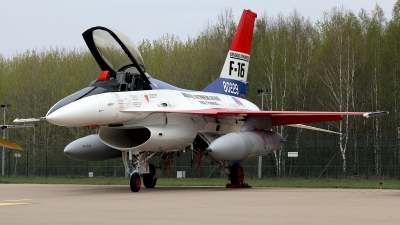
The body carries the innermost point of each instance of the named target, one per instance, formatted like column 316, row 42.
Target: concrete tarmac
column 88, row 204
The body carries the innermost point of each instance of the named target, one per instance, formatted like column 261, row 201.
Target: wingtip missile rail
column 374, row 114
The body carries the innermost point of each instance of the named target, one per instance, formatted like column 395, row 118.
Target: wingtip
column 374, row 114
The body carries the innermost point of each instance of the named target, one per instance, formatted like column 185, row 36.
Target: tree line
column 345, row 61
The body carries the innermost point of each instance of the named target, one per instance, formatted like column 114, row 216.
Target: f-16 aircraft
column 138, row 116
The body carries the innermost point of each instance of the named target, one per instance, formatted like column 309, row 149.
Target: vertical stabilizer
column 233, row 78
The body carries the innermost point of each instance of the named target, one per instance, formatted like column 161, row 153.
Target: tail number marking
column 239, row 69
column 230, row 87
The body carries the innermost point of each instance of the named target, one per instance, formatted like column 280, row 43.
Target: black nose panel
column 75, row 96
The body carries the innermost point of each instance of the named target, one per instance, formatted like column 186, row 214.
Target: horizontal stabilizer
column 373, row 114
column 9, row 144
column 302, row 126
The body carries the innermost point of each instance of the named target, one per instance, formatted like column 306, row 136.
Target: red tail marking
column 244, row 33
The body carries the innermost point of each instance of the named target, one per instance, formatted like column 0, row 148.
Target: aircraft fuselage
column 133, row 106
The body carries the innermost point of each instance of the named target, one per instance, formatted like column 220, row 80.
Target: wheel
column 148, row 180
column 236, row 174
column 135, row 182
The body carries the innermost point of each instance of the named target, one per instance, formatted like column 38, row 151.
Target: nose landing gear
column 135, row 182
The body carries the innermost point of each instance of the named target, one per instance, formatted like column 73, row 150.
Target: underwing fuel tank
column 90, row 148
column 240, row 145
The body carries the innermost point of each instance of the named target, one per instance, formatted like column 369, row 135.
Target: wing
column 9, row 144
column 279, row 118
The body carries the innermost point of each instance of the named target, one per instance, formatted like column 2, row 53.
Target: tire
column 148, row 180
column 236, row 174
column 135, row 182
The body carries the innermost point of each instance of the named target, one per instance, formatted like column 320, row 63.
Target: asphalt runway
column 88, row 204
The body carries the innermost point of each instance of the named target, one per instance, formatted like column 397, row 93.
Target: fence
column 317, row 158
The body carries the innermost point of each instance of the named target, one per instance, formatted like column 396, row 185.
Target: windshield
column 111, row 51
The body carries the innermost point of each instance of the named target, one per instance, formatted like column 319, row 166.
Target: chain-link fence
column 316, row 158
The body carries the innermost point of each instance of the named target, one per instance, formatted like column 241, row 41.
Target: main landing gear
column 233, row 172
column 136, row 163
column 237, row 177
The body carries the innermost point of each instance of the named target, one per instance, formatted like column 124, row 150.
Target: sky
column 41, row 24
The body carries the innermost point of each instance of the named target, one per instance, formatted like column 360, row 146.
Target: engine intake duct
column 124, row 138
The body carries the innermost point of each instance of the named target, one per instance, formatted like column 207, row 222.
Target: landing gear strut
column 237, row 176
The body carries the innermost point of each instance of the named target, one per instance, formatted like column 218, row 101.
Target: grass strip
column 266, row 183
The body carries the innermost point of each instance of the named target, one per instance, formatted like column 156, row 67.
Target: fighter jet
column 138, row 116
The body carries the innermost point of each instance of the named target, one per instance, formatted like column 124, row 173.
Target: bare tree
column 339, row 60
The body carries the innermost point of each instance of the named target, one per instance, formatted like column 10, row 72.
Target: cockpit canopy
column 120, row 61
column 117, row 54
column 113, row 50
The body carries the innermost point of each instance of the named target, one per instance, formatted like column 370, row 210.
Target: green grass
column 270, row 183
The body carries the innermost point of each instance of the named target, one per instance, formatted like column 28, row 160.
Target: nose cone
column 83, row 112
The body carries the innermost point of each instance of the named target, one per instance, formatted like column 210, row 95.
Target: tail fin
column 233, row 78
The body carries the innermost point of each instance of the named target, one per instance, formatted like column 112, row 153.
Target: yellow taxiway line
column 14, row 202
